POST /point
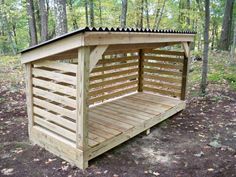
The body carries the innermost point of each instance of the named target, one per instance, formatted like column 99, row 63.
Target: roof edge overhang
column 96, row 38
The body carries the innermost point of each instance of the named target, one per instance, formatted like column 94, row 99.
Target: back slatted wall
column 163, row 72
column 114, row 75
column 54, row 97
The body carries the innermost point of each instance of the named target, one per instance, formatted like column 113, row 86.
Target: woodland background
column 28, row 22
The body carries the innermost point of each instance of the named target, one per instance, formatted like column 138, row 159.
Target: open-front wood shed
column 90, row 90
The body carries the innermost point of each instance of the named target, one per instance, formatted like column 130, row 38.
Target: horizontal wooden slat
column 54, row 76
column 55, row 97
column 122, row 51
column 163, row 85
column 158, row 71
column 68, row 67
column 55, row 128
column 54, row 86
column 162, row 65
column 164, row 52
column 55, row 108
column 112, row 88
column 114, row 74
column 54, row 118
column 165, row 59
column 112, row 95
column 164, row 79
column 165, row 92
column 113, row 81
column 119, row 59
column 117, row 66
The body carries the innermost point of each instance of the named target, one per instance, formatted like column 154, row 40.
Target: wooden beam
column 185, row 71
column 140, row 78
column 82, row 104
column 29, row 96
column 95, row 55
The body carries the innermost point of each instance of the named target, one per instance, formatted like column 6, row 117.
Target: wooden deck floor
column 117, row 121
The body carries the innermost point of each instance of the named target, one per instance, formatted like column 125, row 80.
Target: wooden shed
column 90, row 90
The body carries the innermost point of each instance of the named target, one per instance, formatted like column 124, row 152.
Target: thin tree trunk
column 147, row 13
column 123, row 13
column 141, row 13
column 160, row 16
column 74, row 21
column 61, row 19
column 224, row 43
column 44, row 20
column 32, row 24
column 100, row 12
column 86, row 12
column 188, row 14
column 206, row 47
column 157, row 15
column 233, row 47
column 91, row 10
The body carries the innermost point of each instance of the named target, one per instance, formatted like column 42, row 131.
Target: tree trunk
column 61, row 19
column 123, row 13
column 141, row 13
column 74, row 21
column 206, row 47
column 44, row 20
column 91, row 10
column 233, row 47
column 100, row 12
column 147, row 13
column 156, row 15
column 161, row 13
column 32, row 24
column 86, row 12
column 224, row 43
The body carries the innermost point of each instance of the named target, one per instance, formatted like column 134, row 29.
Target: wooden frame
column 102, row 90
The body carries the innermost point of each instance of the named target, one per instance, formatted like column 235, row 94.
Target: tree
column 123, row 13
column 86, row 12
column 43, row 20
column 91, row 10
column 233, row 47
column 158, row 16
column 61, row 18
column 226, row 26
column 147, row 13
column 32, row 24
column 206, row 47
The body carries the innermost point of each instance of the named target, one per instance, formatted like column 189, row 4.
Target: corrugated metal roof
column 100, row 29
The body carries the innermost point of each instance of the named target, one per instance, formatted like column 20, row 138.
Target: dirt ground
column 200, row 141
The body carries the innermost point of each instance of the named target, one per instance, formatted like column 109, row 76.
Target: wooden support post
column 140, row 78
column 148, row 131
column 95, row 55
column 29, row 96
column 185, row 70
column 82, row 105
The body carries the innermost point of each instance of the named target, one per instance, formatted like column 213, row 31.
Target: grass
column 220, row 70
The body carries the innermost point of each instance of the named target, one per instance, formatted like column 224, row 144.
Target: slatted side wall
column 163, row 72
column 54, row 97
column 114, row 75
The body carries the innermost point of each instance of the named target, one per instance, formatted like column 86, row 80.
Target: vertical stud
column 82, row 104
column 140, row 78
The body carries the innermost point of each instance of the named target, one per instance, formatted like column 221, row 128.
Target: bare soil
column 197, row 142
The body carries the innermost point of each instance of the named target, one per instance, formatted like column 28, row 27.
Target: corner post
column 29, row 96
column 140, row 73
column 185, row 70
column 82, row 105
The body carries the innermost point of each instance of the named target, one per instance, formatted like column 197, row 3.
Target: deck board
column 115, row 120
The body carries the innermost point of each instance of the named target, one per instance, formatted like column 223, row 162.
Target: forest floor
column 198, row 142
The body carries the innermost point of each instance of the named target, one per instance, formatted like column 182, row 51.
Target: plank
column 161, row 78
column 162, row 85
column 95, row 55
column 164, row 92
column 117, row 60
column 165, row 72
column 117, row 66
column 113, row 81
column 113, row 74
column 163, row 65
column 164, row 52
column 55, row 87
column 112, row 95
column 53, row 107
column 58, row 65
column 55, row 97
column 112, row 88
column 54, row 76
column 164, row 59
column 141, row 66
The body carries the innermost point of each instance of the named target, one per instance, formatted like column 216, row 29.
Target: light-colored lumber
column 95, row 55
column 164, row 79
column 162, row 85
column 29, row 95
column 54, row 76
column 164, row 59
column 117, row 60
column 165, row 72
column 62, row 66
column 163, row 65
column 165, row 52
column 55, row 86
column 165, row 92
column 82, row 103
column 186, row 49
